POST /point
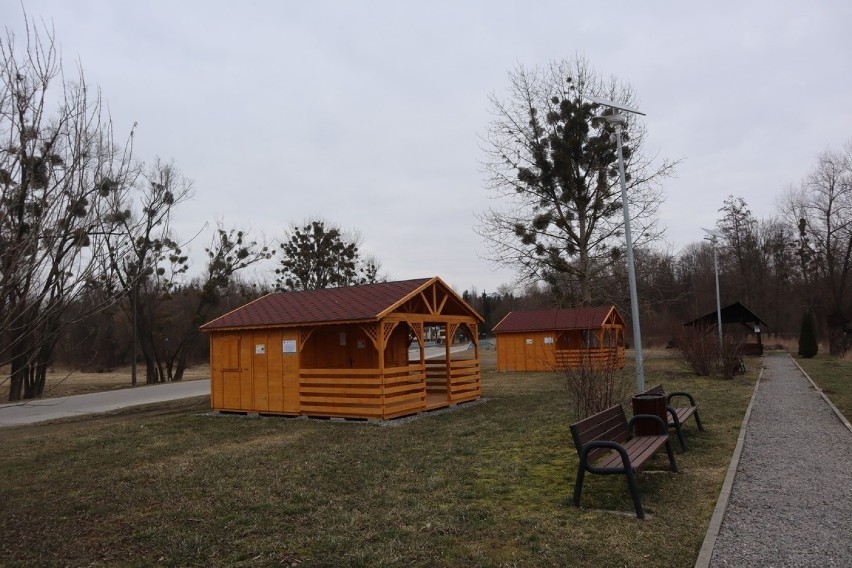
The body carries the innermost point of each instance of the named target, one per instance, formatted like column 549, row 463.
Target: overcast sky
column 369, row 114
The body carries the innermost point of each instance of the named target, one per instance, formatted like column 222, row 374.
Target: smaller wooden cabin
column 355, row 352
column 547, row 340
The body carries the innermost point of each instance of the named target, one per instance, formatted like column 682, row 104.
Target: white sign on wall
column 260, row 349
column 529, row 341
column 288, row 346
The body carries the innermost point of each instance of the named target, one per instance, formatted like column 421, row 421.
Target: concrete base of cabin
column 434, row 406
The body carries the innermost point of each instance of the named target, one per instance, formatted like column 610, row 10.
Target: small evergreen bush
column 808, row 346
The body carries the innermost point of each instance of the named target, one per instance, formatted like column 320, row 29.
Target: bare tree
column 58, row 168
column 821, row 210
column 146, row 260
column 552, row 164
column 741, row 234
column 230, row 252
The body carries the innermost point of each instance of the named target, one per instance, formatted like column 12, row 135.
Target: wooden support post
column 380, row 345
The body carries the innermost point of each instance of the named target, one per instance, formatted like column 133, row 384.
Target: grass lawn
column 487, row 484
column 834, row 377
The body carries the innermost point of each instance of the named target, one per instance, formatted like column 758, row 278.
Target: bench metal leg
column 676, row 424
column 698, row 421
column 634, row 493
column 681, row 438
column 578, row 485
column 671, row 455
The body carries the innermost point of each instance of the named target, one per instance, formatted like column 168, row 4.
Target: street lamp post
column 618, row 120
column 713, row 237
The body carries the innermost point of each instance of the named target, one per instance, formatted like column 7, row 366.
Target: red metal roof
column 545, row 320
column 352, row 303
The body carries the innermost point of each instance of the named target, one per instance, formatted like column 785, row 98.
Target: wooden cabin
column 355, row 352
column 548, row 340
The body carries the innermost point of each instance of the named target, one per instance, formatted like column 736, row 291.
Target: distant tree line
column 759, row 265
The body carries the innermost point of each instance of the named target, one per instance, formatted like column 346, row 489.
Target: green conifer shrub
column 807, row 337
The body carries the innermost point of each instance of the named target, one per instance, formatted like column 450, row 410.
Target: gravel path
column 791, row 501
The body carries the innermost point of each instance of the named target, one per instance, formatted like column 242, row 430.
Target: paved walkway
column 791, row 499
column 41, row 410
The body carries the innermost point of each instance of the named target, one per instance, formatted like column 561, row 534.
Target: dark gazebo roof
column 734, row 313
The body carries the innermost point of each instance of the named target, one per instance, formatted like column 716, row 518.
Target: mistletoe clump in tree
column 552, row 162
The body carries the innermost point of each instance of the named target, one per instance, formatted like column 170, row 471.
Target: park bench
column 678, row 414
column 607, row 446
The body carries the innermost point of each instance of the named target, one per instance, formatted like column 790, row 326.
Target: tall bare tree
column 821, row 210
column 740, row 231
column 146, row 260
column 552, row 165
column 230, row 252
column 59, row 167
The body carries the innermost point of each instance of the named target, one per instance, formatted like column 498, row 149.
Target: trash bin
column 649, row 404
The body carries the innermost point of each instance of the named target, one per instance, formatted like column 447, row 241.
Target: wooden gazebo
column 736, row 313
column 547, row 340
column 356, row 352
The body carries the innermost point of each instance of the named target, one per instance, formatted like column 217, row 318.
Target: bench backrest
column 655, row 390
column 609, row 424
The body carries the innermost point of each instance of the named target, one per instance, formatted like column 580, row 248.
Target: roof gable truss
column 435, row 299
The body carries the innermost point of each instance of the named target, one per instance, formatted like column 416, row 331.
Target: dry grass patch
column 834, row 377
column 489, row 485
column 67, row 382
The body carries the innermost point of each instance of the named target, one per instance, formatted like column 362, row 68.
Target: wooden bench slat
column 649, row 446
column 639, row 452
column 609, row 424
column 683, row 412
column 589, row 428
column 616, row 431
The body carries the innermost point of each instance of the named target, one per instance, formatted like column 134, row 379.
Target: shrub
column 594, row 386
column 808, row 346
column 699, row 346
column 731, row 358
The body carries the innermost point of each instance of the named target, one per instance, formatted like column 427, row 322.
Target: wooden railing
column 596, row 357
column 363, row 393
column 460, row 382
column 465, row 382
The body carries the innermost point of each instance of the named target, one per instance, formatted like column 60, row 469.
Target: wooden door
column 290, row 371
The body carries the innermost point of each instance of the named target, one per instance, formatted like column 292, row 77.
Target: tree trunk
column 837, row 343
column 19, row 351
column 35, row 380
column 17, row 378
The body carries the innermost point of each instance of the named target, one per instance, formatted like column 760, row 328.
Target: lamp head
column 614, row 118
column 611, row 104
column 712, row 235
